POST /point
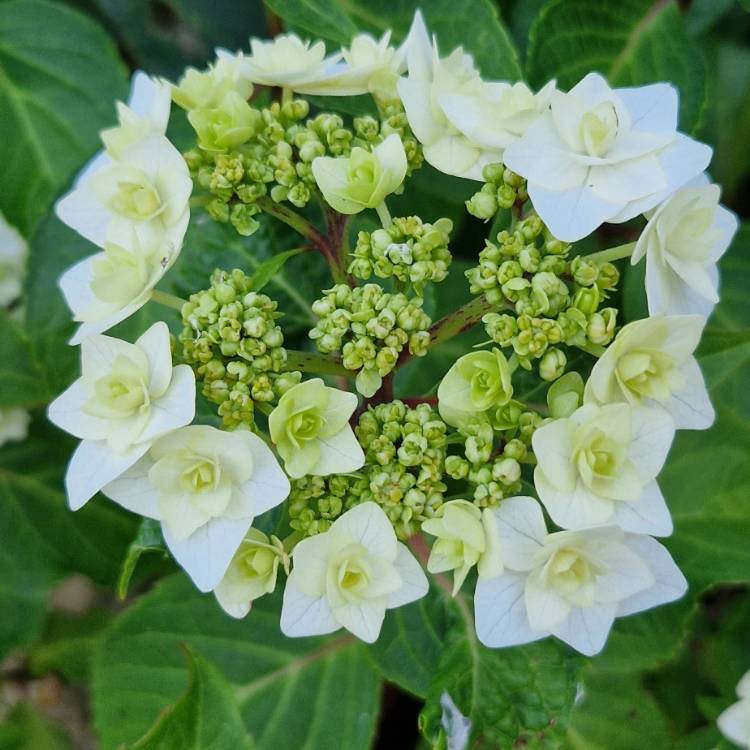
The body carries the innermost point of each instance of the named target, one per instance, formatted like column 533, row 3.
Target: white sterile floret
column 146, row 112
column 14, row 424
column 287, row 61
column 682, row 242
column 145, row 192
column 13, row 252
column 205, row 89
column 570, row 584
column 368, row 65
column 252, row 573
column 205, row 486
column 349, row 575
column 108, row 287
column 599, row 466
column 423, row 92
column 498, row 113
column 734, row 722
column 651, row 362
column 600, row 154
column 466, row 536
column 127, row 396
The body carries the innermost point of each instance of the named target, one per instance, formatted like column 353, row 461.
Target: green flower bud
column 601, row 326
column 552, row 364
column 565, row 395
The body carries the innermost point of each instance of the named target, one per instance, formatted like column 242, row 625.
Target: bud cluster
column 231, row 339
column 370, row 327
column 245, row 153
column 410, row 251
column 502, row 189
column 557, row 300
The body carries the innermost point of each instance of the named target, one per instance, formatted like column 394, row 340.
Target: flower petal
column 268, row 484
column 653, row 433
column 363, row 619
column 339, row 454
column 521, row 531
column 414, row 582
column 133, row 490
column 648, row 515
column 303, row 615
column 586, row 629
column 368, row 525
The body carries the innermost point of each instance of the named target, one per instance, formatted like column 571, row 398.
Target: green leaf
column 320, row 693
column 733, row 312
column 205, row 718
column 163, row 38
column 148, row 539
column 480, row 31
column 90, row 541
column 411, row 643
column 514, row 697
column 59, row 77
column 271, row 267
column 23, row 380
column 617, row 713
column 632, row 42
column 26, row 729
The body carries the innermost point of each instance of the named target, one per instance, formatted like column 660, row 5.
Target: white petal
column 500, row 612
column 311, row 556
column 92, row 466
column 521, row 531
column 627, row 574
column 627, row 180
column 66, row 413
column 414, row 585
column 691, row 406
column 98, row 161
column 364, row 619
column 205, row 555
column 454, row 154
column 545, row 608
column 150, row 98
column 670, row 583
column 572, row 214
column 339, row 454
column 303, row 615
column 229, row 599
column 586, row 629
column 133, row 490
column 727, row 223
column 649, row 515
column 653, row 108
column 552, row 445
column 176, row 408
column 734, row 723
column 653, row 433
column 681, row 162
column 683, row 335
column 83, row 213
column 667, row 293
column 743, row 686
column 576, row 509
column 268, row 484
column 156, row 344
column 368, row 525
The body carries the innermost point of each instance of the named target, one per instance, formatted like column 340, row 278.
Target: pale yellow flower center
column 599, row 129
column 137, row 200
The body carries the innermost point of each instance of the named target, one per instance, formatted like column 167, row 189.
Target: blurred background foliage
column 165, row 668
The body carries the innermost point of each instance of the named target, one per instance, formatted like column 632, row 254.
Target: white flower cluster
column 589, row 156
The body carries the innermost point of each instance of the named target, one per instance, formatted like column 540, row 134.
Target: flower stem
column 612, row 253
column 594, row 349
column 384, row 215
column 453, row 324
column 168, row 300
column 314, row 362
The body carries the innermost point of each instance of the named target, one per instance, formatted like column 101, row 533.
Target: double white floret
column 128, row 395
column 570, row 584
column 348, row 576
column 734, row 722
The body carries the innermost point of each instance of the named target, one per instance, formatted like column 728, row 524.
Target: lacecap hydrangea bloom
column 365, row 474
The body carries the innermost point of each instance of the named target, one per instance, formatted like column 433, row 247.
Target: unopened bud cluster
column 410, row 251
column 556, row 300
column 502, row 189
column 244, row 153
column 370, row 328
column 495, row 445
column 231, row 339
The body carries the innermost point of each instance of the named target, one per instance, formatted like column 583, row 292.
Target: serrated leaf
column 322, row 693
column 481, row 31
column 513, row 697
column 205, row 718
column 632, row 42
column 59, row 77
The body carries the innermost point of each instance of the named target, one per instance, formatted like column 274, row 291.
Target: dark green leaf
column 26, row 729
column 291, row 692
column 205, row 718
column 59, row 77
column 271, row 267
column 632, row 42
column 24, row 382
column 148, row 539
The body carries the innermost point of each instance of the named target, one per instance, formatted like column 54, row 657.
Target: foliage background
column 79, row 663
